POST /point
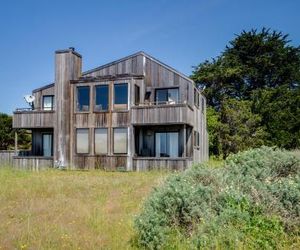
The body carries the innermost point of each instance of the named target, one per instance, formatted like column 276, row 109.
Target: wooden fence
column 6, row 157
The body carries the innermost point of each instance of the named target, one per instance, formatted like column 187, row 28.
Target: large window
column 101, row 98
column 166, row 96
column 166, row 144
column 82, row 140
column 48, row 102
column 120, row 140
column 83, row 98
column 101, row 141
column 120, row 95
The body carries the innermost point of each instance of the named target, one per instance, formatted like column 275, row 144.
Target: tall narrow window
column 48, row 102
column 136, row 95
column 83, row 98
column 166, row 96
column 203, row 104
column 101, row 98
column 120, row 96
column 196, row 98
column 82, row 140
column 166, row 144
column 120, row 140
column 101, row 141
column 47, row 144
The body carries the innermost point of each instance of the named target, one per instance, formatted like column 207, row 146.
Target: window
column 120, row 140
column 101, row 141
column 166, row 96
column 47, row 144
column 120, row 96
column 166, row 144
column 83, row 98
column 196, row 139
column 203, row 104
column 101, row 98
column 82, row 140
column 48, row 102
column 136, row 95
column 196, row 98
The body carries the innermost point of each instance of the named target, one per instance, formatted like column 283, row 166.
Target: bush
column 254, row 201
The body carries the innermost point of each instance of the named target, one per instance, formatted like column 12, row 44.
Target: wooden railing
column 156, row 114
column 33, row 118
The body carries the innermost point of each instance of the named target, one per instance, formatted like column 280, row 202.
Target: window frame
column 76, row 140
column 95, row 98
column 107, row 142
column 113, row 137
column 165, row 102
column 76, row 99
column 52, row 98
column 122, row 106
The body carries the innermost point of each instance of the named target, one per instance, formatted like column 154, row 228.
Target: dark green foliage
column 264, row 69
column 253, row 201
column 7, row 135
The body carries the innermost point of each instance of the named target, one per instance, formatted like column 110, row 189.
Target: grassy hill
column 71, row 210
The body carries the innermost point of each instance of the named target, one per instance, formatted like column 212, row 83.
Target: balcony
column 155, row 114
column 28, row 118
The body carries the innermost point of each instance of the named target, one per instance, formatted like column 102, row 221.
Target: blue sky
column 179, row 33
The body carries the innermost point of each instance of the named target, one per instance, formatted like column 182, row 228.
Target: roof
column 142, row 53
column 44, row 87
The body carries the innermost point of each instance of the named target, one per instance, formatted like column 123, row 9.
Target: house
column 135, row 113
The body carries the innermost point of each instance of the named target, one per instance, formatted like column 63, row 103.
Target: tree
column 261, row 67
column 6, row 132
column 7, row 137
column 240, row 129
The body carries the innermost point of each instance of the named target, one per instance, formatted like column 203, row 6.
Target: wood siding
column 33, row 119
column 162, row 114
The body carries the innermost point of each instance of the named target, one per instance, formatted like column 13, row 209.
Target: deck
column 33, row 119
column 162, row 114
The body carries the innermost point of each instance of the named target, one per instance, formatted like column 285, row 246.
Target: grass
column 71, row 209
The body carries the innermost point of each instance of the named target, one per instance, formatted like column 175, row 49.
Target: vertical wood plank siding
column 33, row 119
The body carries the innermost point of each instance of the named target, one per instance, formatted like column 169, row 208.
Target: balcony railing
column 156, row 113
column 33, row 118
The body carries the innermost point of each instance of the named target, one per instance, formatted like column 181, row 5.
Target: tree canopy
column 262, row 68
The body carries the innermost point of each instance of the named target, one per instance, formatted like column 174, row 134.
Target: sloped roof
column 142, row 53
column 120, row 60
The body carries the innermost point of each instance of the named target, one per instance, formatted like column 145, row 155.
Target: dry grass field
column 71, row 209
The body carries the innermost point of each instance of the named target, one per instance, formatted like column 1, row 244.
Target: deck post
column 16, row 142
column 184, row 141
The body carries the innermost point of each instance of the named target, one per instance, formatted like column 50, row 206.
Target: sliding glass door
column 166, row 144
column 47, row 144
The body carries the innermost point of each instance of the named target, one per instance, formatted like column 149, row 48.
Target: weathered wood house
column 135, row 113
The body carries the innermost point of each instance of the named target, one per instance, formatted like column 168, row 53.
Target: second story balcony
column 162, row 113
column 33, row 118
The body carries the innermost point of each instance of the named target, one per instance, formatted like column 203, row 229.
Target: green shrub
column 254, row 201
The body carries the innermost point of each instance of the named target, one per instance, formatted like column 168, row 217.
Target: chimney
column 68, row 65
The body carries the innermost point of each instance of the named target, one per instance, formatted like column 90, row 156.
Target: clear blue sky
column 179, row 33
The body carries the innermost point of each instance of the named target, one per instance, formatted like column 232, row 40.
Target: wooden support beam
column 16, row 142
